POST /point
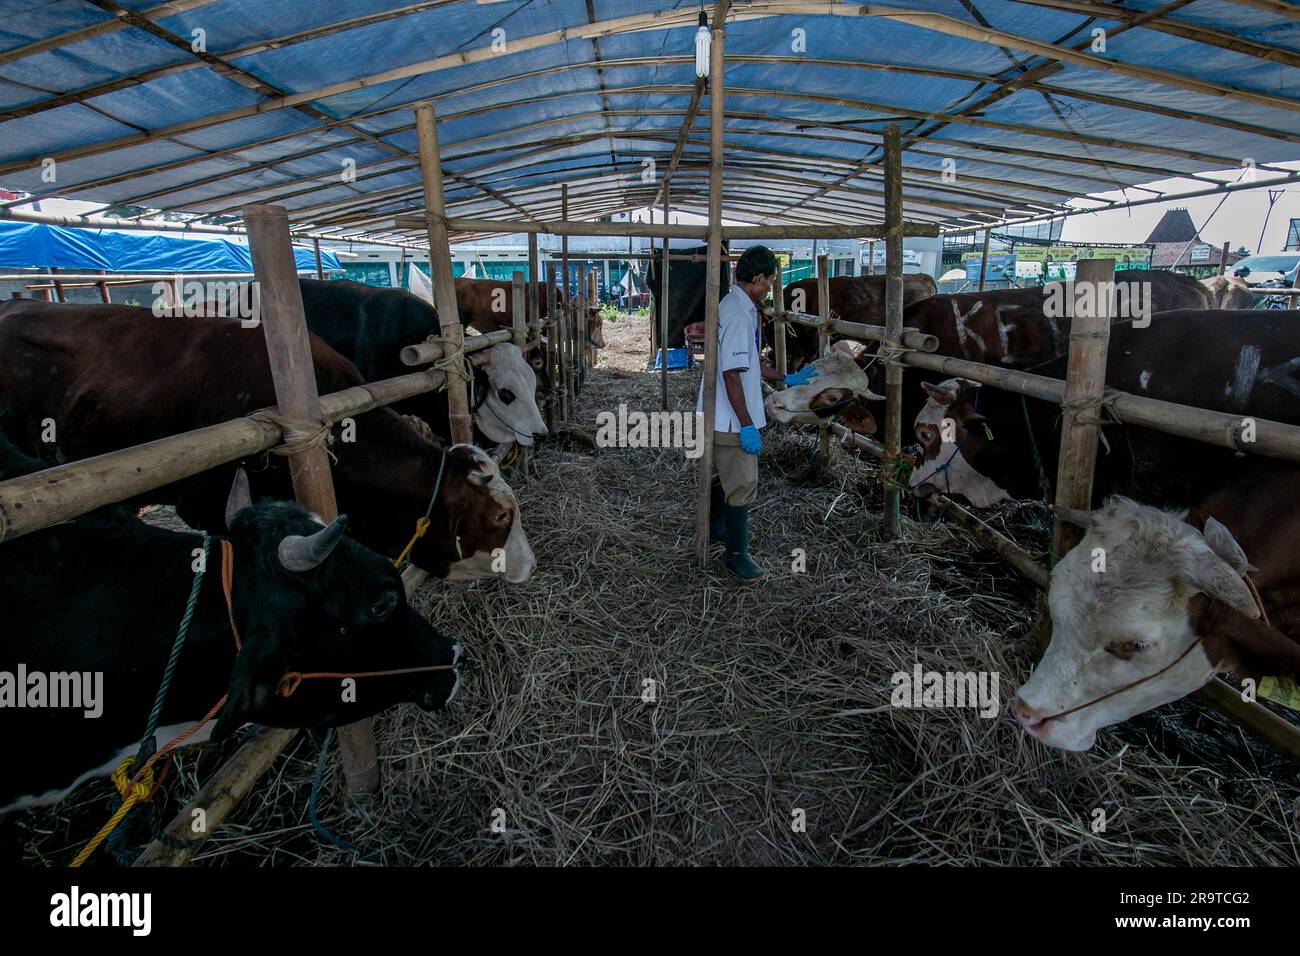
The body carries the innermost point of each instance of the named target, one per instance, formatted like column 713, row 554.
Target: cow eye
column 507, row 396
column 1126, row 649
column 383, row 606
column 925, row 434
column 501, row 517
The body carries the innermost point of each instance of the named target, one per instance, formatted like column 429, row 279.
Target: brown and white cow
column 488, row 304
column 840, row 390
column 1149, row 607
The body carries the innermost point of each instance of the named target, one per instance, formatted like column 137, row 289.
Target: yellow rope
column 421, row 526
column 132, row 792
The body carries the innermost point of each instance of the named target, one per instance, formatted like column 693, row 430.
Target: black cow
column 1244, row 363
column 370, row 326
column 103, row 595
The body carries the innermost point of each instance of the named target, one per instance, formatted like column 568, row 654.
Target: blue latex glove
column 801, row 377
column 750, row 442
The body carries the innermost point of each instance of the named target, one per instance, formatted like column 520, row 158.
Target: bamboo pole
column 984, row 260
column 823, row 346
column 294, row 377
column 663, row 314
column 444, row 289
column 893, row 339
column 1085, row 382
column 1223, row 258
column 579, row 331
column 564, row 228
column 778, row 324
column 552, row 348
column 712, row 286
column 320, row 269
column 519, row 310
column 534, row 288
column 422, row 353
column 567, row 352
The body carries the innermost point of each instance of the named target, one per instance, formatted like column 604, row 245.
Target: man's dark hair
column 754, row 262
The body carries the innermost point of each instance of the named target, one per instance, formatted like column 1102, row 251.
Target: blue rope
column 319, row 827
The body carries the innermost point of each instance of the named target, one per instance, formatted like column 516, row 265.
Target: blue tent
column 30, row 246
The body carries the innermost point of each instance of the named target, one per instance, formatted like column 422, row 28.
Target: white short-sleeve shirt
column 738, row 347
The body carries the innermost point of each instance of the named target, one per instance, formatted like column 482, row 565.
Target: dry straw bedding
column 767, row 700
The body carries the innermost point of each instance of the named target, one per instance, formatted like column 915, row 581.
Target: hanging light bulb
column 702, row 43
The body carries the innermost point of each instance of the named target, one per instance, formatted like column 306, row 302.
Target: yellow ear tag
column 1281, row 690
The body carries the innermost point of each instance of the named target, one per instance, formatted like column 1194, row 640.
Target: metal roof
column 1008, row 108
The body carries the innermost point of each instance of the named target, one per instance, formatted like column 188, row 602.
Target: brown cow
column 488, row 304
column 110, row 376
column 853, row 298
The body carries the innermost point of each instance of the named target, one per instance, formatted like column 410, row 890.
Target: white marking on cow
column 964, row 334
column 1144, row 379
column 165, row 736
column 1004, row 330
column 837, row 370
column 520, row 560
column 1243, row 378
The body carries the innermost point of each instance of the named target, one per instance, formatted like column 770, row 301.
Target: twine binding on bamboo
column 298, row 435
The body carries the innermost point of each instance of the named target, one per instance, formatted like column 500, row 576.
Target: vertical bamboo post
column 294, row 376
column 534, row 288
column 984, row 260
column 893, row 325
column 871, row 258
column 663, row 316
column 518, row 309
column 1223, row 259
column 593, row 304
column 580, row 327
column 320, row 271
column 1085, row 381
column 824, row 347
column 552, row 348
column 712, row 287
column 444, row 289
column 778, row 324
column 103, row 290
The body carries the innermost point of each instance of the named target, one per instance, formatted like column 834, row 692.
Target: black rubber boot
column 737, row 558
column 717, row 515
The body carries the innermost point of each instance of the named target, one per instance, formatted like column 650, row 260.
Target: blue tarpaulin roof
column 1007, row 107
column 28, row 246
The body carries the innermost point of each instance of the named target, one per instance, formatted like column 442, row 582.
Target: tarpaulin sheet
column 32, row 246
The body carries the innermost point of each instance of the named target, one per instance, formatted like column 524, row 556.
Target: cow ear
column 858, row 418
column 1222, row 543
column 240, row 497
column 942, row 395
column 1209, row 573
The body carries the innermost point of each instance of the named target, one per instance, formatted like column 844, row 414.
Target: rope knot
column 297, row 435
column 137, row 791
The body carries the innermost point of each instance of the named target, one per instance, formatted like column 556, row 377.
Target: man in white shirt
column 738, row 414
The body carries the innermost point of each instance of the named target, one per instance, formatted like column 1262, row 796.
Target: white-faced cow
column 370, row 326
column 108, row 377
column 92, row 607
column 1149, row 607
column 839, row 390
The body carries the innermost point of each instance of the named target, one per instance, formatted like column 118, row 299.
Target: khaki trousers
column 737, row 470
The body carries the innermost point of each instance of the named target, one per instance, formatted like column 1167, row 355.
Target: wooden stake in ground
column 893, row 326
column 518, row 310
column 1085, row 381
column 824, row 347
column 298, row 403
column 444, row 289
column 663, row 317
column 534, row 288
column 710, row 370
column 778, row 324
column 552, row 327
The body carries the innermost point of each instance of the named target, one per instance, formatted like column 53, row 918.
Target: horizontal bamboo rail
column 1272, row 439
column 659, row 230
column 426, row 352
column 45, row 498
column 912, row 339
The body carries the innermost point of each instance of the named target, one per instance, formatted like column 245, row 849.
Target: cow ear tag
column 988, row 432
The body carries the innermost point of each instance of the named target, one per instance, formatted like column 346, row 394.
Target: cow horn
column 531, row 344
column 240, row 497
column 303, row 552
